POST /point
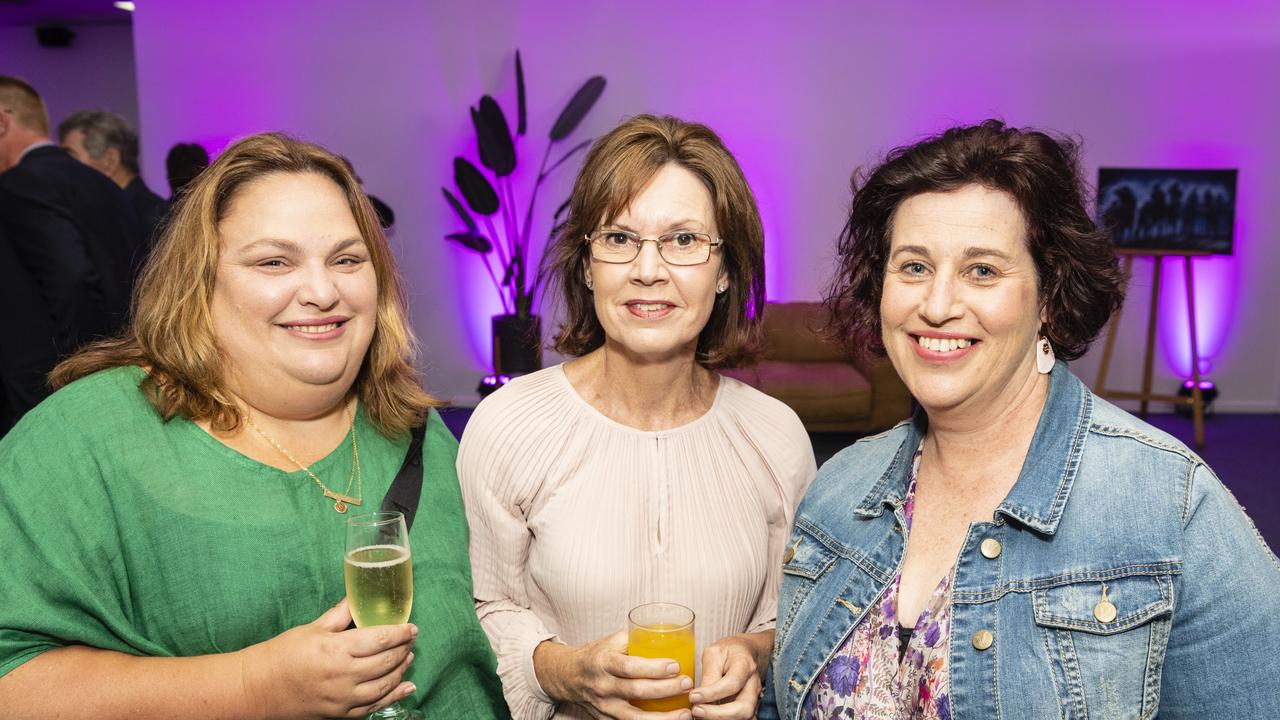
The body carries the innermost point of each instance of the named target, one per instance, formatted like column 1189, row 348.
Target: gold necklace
column 340, row 500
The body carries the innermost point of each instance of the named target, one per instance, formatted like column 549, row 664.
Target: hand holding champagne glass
column 379, row 577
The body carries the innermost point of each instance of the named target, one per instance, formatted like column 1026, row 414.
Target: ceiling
column 67, row 12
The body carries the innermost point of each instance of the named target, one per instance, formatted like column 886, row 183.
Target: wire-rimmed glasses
column 682, row 247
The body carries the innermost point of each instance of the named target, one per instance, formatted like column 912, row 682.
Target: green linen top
column 127, row 533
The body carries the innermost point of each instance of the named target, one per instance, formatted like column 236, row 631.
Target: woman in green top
column 172, row 517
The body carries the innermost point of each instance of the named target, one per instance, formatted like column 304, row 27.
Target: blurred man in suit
column 67, row 251
column 106, row 142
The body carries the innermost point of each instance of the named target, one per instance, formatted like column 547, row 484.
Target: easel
column 1196, row 400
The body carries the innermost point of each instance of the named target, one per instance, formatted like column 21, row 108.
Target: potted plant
column 494, row 228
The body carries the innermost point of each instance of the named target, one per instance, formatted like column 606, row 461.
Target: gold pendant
column 340, row 501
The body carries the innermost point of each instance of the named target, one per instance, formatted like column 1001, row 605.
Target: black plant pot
column 517, row 344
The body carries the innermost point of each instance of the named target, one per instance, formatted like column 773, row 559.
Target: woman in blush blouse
column 634, row 472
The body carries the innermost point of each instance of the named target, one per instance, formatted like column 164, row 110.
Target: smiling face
column 960, row 310
column 295, row 296
column 647, row 307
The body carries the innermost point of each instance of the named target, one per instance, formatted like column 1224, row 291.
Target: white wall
column 802, row 95
column 96, row 72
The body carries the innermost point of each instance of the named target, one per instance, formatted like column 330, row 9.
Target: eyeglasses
column 678, row 248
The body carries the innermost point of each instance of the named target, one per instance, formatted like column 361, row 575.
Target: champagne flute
column 379, row 575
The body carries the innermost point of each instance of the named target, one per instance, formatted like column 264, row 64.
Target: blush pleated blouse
column 576, row 518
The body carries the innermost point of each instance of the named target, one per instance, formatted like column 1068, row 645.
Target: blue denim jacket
column 1102, row 497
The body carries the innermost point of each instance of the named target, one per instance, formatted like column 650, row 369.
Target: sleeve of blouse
column 497, row 501
column 794, row 468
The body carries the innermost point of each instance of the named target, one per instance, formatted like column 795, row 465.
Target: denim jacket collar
column 892, row 485
column 1040, row 494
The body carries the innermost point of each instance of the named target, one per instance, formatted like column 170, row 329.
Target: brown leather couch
column 828, row 390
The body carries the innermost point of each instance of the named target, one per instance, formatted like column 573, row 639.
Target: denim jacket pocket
column 806, row 556
column 805, row 560
column 1105, row 641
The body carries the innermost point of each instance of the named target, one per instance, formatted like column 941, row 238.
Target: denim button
column 983, row 639
column 790, row 554
column 990, row 548
column 1104, row 611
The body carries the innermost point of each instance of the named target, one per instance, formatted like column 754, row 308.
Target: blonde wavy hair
column 171, row 330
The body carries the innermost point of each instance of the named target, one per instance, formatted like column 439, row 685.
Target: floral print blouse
column 865, row 679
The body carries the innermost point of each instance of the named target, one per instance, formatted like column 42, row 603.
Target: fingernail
column 685, row 716
column 412, row 689
column 686, row 683
column 673, row 668
column 695, row 698
column 413, row 630
column 410, row 657
column 699, row 712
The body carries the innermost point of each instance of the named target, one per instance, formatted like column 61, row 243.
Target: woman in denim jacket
column 1020, row 548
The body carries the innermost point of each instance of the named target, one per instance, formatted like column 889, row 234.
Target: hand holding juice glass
column 662, row 630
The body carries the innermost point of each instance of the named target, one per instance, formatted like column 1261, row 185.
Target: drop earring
column 1044, row 355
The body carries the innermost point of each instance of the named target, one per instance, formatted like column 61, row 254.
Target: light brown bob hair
column 617, row 168
column 171, row 330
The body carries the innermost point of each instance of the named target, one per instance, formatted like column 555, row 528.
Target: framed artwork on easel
column 1160, row 213
column 1153, row 211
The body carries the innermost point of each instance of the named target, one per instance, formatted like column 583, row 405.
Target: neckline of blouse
column 341, row 452
column 648, row 434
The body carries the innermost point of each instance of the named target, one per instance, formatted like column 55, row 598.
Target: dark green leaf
column 577, row 108
column 475, row 187
column 496, row 149
column 460, row 210
column 521, row 124
column 471, row 241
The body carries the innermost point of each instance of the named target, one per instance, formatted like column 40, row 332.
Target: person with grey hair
column 108, row 143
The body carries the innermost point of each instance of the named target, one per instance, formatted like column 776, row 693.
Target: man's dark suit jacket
column 28, row 351
column 150, row 209
column 70, row 235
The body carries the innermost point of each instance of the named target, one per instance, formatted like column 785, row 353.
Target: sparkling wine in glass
column 379, row 574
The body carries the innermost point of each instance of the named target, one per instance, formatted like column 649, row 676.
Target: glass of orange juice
column 662, row 630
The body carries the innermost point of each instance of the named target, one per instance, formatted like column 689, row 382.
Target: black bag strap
column 406, row 489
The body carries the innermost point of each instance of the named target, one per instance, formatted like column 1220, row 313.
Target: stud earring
column 1044, row 355
column 590, row 285
column 721, row 288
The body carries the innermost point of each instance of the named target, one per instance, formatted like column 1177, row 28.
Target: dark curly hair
column 617, row 168
column 1080, row 283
